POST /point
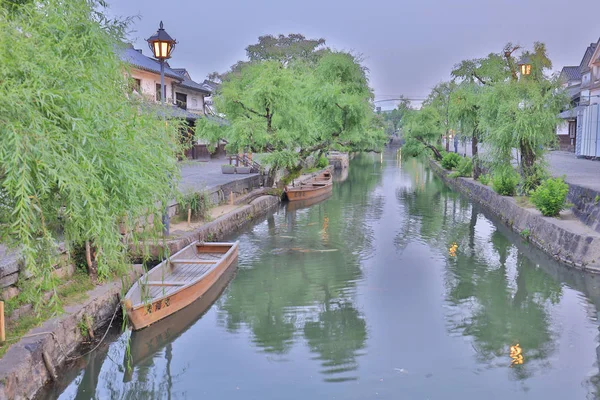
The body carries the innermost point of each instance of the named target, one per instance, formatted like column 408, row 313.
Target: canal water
column 395, row 287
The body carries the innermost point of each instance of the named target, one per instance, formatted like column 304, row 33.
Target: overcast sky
column 409, row 46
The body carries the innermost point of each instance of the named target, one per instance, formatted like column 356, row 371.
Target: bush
column 322, row 163
column 485, row 179
column 505, row 182
column 550, row 197
column 198, row 203
column 532, row 181
column 465, row 168
column 451, row 160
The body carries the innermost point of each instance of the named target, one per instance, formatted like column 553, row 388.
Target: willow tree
column 296, row 109
column 422, row 128
column 522, row 112
column 77, row 156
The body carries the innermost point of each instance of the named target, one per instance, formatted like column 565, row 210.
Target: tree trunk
column 447, row 142
column 271, row 177
column 92, row 264
column 475, row 152
column 527, row 158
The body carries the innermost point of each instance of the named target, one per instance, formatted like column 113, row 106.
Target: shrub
column 451, row 160
column 485, row 179
column 322, row 162
column 198, row 203
column 530, row 182
column 550, row 197
column 505, row 182
column 465, row 168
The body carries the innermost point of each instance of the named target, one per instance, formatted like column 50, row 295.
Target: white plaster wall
column 195, row 102
column 562, row 128
column 595, row 96
column 148, row 84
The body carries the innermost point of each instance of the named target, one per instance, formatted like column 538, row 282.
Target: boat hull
column 147, row 314
column 319, row 186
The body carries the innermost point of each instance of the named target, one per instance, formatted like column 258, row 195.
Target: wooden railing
column 245, row 161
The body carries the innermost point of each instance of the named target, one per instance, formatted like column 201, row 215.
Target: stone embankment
column 31, row 362
column 565, row 238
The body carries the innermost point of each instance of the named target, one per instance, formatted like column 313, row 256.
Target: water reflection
column 497, row 296
column 309, row 291
column 392, row 286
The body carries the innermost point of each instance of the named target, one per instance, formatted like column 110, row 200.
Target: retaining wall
column 566, row 239
column 23, row 371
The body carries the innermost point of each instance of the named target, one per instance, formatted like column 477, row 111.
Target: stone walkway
column 577, row 171
column 196, row 175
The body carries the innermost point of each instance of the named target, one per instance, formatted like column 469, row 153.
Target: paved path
column 577, row 171
column 196, row 175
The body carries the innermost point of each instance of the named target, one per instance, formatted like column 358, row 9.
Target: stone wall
column 565, row 239
column 586, row 205
column 23, row 371
column 11, row 264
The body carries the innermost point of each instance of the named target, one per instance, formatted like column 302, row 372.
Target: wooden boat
column 315, row 187
column 146, row 343
column 300, row 204
column 177, row 282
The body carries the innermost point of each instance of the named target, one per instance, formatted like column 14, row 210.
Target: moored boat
column 315, row 187
column 177, row 282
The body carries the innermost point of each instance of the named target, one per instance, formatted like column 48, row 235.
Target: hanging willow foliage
column 78, row 155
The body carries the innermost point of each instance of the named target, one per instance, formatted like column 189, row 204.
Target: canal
column 394, row 287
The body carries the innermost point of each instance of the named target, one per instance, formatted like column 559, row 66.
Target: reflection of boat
column 177, row 282
column 340, row 175
column 299, row 204
column 149, row 341
column 314, row 187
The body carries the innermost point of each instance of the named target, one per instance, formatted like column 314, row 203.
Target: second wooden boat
column 315, row 187
column 177, row 282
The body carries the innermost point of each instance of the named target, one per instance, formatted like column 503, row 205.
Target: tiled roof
column 138, row 60
column 571, row 73
column 584, row 67
column 190, row 84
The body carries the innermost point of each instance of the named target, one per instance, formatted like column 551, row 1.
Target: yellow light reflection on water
column 516, row 353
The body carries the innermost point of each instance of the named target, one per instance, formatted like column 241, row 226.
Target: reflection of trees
column 337, row 334
column 498, row 297
column 303, row 280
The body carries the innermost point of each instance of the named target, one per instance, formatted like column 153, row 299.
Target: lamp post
column 162, row 45
column 524, row 66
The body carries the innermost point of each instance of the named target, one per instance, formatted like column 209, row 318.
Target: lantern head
column 161, row 44
column 524, row 66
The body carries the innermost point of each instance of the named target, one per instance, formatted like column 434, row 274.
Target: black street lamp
column 524, row 66
column 162, row 45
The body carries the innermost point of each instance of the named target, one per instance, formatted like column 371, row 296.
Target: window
column 136, row 85
column 181, row 100
column 158, row 92
column 572, row 129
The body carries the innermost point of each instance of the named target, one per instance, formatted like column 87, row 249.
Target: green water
column 360, row 297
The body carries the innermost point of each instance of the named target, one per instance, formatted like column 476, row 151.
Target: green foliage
column 532, row 180
column 550, row 197
column 422, row 129
column 597, row 199
column 198, row 202
column 525, row 233
column 505, row 181
column 464, row 168
column 76, row 154
column 297, row 107
column 322, row 163
column 451, row 160
column 485, row 179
